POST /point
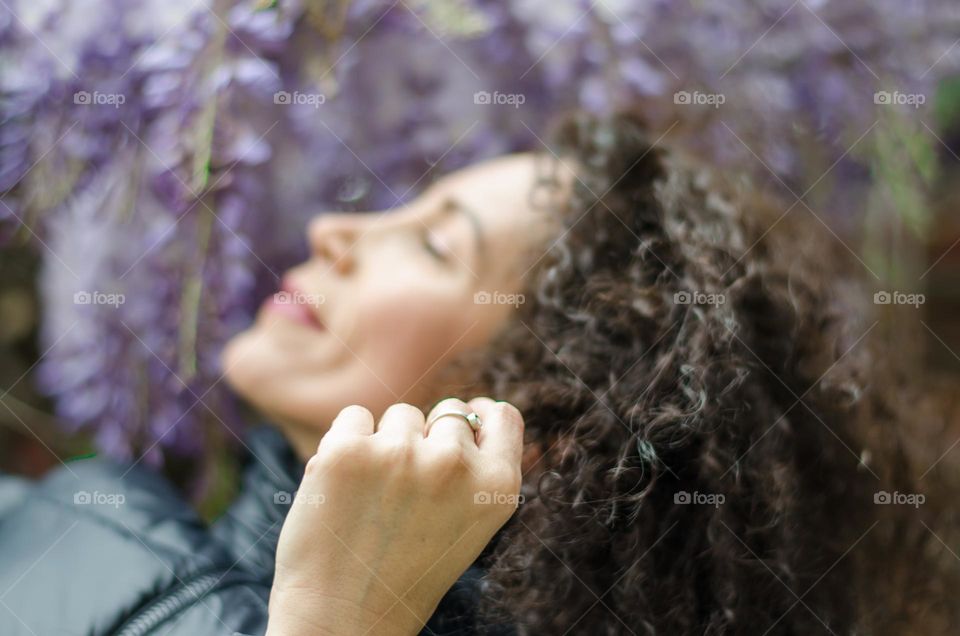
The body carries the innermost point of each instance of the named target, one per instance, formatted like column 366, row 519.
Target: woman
column 703, row 448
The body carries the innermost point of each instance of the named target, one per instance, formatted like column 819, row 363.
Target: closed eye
column 434, row 246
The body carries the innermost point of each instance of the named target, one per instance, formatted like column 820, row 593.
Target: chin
column 251, row 371
column 260, row 375
column 236, row 363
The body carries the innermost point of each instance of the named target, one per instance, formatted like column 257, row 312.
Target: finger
column 454, row 428
column 353, row 419
column 402, row 420
column 502, row 433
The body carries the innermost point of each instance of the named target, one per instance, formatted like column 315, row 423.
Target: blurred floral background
column 159, row 159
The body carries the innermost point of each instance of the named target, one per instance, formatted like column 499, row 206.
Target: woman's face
column 388, row 299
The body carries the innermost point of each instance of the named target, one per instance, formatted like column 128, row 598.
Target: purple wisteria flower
column 164, row 156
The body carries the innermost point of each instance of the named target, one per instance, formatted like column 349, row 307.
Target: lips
column 294, row 304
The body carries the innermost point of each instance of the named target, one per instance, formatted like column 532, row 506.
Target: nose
column 332, row 238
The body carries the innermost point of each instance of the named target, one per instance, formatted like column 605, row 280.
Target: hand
column 385, row 522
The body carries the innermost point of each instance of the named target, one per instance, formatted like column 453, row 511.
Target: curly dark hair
column 715, row 430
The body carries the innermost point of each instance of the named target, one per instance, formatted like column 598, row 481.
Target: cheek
column 402, row 333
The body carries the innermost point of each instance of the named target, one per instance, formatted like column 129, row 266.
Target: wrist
column 308, row 613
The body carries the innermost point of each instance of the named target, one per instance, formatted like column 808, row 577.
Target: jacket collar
column 251, row 526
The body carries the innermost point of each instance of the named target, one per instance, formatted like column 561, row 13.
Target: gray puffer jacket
column 100, row 547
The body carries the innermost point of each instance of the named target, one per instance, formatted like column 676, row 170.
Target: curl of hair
column 683, row 340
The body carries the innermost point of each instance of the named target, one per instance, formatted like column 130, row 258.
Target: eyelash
column 431, row 248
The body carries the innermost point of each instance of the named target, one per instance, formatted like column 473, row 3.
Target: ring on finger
column 471, row 418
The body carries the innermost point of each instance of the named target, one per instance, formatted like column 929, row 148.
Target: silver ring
column 471, row 418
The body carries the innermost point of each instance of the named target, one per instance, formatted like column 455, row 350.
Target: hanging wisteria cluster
column 164, row 155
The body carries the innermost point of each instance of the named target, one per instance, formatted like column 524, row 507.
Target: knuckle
column 401, row 412
column 402, row 409
column 508, row 412
column 354, row 411
column 450, row 401
column 448, row 404
column 335, row 449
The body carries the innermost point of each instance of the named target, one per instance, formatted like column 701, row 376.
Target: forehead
column 501, row 191
column 514, row 169
column 515, row 200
